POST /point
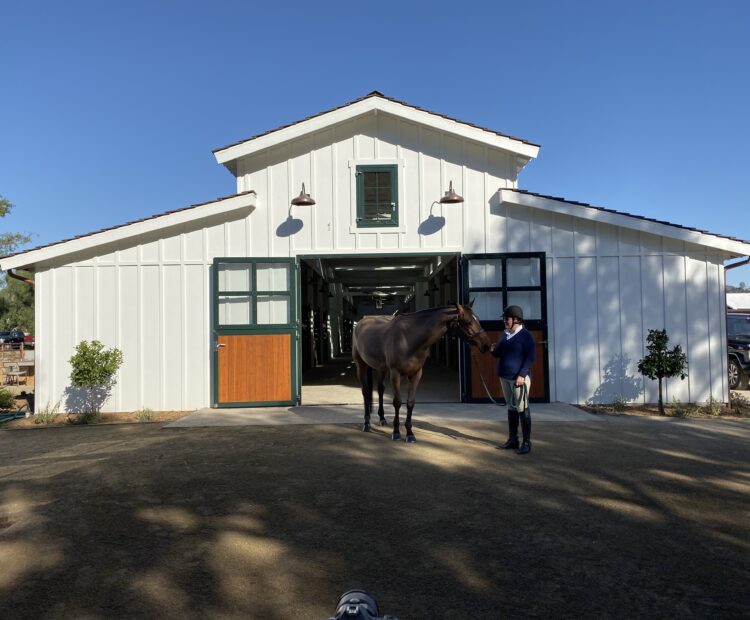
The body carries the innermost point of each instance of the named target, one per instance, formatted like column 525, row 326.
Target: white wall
column 326, row 163
column 151, row 300
column 606, row 287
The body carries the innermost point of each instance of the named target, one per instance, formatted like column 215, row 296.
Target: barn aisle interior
column 336, row 383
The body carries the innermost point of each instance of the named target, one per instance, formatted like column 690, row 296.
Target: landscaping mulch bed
column 64, row 419
column 718, row 410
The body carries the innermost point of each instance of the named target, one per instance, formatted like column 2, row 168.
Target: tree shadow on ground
column 277, row 522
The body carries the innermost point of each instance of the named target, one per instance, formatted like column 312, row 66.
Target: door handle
column 220, row 345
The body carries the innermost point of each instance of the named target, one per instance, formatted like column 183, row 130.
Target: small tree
column 662, row 362
column 94, row 369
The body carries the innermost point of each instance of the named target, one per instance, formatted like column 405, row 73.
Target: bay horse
column 398, row 346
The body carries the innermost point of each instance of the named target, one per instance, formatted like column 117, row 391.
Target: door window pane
column 530, row 302
column 488, row 306
column 273, row 309
column 485, row 273
column 273, row 276
column 235, row 310
column 523, row 271
column 234, row 277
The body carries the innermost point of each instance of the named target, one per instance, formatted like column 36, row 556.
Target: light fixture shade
column 304, row 199
column 451, row 197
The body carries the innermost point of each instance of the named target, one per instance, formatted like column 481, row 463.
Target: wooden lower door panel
column 254, row 368
column 486, row 363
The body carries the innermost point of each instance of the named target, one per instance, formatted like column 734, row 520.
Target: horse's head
column 469, row 328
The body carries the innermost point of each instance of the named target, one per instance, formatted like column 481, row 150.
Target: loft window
column 377, row 196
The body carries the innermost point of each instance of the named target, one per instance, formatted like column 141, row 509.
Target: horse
column 398, row 346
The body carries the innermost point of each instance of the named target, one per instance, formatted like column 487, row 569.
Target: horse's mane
column 451, row 307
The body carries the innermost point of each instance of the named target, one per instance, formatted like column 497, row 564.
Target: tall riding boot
column 512, row 442
column 526, row 429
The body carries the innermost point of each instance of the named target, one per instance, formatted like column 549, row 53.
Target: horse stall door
column 254, row 368
column 495, row 281
column 256, row 336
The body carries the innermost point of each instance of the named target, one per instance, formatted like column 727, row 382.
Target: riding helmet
column 513, row 312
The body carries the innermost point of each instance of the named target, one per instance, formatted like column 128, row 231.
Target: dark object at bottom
column 358, row 605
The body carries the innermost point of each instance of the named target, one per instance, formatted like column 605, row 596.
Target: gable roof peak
column 228, row 154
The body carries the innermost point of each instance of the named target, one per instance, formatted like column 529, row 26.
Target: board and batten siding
column 606, row 287
column 152, row 301
column 428, row 161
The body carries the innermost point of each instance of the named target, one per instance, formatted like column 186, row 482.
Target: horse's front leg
column 364, row 373
column 396, row 386
column 411, row 399
column 381, row 389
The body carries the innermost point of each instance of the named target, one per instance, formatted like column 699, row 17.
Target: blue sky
column 110, row 110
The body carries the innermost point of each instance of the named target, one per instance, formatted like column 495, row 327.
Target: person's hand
column 520, row 381
column 492, row 347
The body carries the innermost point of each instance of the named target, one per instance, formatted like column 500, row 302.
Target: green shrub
column 144, row 415
column 7, row 400
column 619, row 404
column 89, row 417
column 739, row 403
column 712, row 406
column 682, row 410
column 46, row 415
column 93, row 368
column 662, row 362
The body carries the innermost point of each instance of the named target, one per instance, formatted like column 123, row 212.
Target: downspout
column 30, row 282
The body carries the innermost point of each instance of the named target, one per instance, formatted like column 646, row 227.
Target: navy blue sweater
column 515, row 355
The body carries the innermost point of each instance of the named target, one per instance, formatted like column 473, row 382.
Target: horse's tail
column 368, row 385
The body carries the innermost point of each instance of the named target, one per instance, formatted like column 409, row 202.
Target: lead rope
column 481, row 376
column 486, row 389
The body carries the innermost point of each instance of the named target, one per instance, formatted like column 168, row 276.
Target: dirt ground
column 618, row 517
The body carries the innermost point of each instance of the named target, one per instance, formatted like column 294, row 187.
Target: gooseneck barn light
column 304, row 199
column 451, row 197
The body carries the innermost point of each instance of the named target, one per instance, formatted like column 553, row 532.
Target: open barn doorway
column 336, row 291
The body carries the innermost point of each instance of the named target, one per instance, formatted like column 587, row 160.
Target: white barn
column 231, row 302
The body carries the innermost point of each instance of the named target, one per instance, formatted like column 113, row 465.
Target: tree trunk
column 661, row 401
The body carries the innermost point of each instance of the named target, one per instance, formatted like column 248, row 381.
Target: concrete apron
column 433, row 413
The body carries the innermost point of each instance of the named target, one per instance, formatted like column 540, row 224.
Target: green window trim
column 377, row 196
column 251, row 294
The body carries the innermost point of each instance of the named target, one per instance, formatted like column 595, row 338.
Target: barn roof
column 134, row 228
column 653, row 226
column 372, row 103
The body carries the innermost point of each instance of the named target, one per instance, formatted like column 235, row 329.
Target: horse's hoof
column 411, row 439
column 383, row 422
column 395, row 436
column 366, row 428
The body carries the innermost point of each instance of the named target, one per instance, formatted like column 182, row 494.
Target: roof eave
column 30, row 258
column 370, row 105
column 624, row 220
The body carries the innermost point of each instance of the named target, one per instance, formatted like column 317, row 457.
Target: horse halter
column 465, row 330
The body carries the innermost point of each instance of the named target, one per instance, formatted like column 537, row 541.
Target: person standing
column 515, row 352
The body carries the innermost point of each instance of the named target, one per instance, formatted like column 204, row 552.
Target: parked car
column 14, row 336
column 738, row 337
column 29, row 341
